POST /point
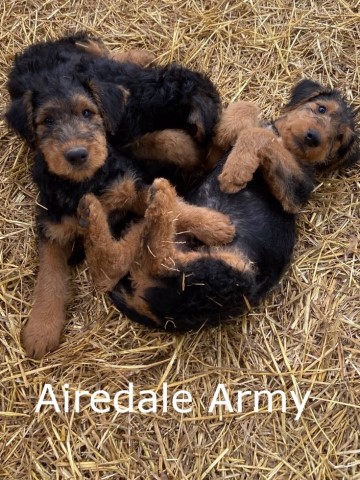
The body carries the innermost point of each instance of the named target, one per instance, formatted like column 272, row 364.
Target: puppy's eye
column 48, row 120
column 321, row 109
column 87, row 113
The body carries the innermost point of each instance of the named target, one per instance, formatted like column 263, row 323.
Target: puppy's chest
column 60, row 197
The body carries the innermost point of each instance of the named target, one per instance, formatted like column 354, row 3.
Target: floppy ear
column 205, row 110
column 349, row 154
column 20, row 116
column 304, row 91
column 111, row 100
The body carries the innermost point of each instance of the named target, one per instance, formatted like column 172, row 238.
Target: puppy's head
column 318, row 126
column 68, row 122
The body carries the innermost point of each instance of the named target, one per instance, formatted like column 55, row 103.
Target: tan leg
column 243, row 160
column 62, row 232
column 259, row 148
column 159, row 229
column 109, row 260
column 124, row 195
column 43, row 329
column 135, row 55
column 283, row 175
column 209, row 226
column 159, row 253
column 139, row 57
column 169, row 146
column 237, row 117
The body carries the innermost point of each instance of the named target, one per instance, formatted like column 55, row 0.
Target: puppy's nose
column 77, row 156
column 312, row 138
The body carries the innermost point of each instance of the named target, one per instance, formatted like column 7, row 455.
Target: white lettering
column 95, row 399
column 130, row 393
column 186, row 398
column 300, row 405
column 215, row 401
column 47, row 389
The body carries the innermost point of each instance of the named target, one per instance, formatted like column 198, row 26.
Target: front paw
column 233, row 180
column 40, row 338
column 87, row 210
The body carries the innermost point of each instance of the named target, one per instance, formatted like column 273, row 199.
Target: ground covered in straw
column 306, row 337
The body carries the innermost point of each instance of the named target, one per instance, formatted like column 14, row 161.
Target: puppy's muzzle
column 312, row 138
column 77, row 156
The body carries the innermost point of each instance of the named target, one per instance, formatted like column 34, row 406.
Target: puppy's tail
column 205, row 291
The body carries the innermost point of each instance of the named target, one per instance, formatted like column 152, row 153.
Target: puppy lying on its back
column 179, row 285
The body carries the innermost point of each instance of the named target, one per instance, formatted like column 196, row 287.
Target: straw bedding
column 306, row 336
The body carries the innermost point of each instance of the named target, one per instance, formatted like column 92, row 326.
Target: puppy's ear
column 203, row 117
column 111, row 100
column 19, row 116
column 304, row 91
column 349, row 154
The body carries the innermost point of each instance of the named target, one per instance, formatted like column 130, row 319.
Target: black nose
column 77, row 156
column 312, row 138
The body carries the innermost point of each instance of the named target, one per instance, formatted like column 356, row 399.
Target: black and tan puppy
column 77, row 108
column 179, row 285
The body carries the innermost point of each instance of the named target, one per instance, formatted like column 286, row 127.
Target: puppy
column 180, row 285
column 316, row 130
column 77, row 108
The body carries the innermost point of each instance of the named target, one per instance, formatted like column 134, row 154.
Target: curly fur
column 78, row 107
column 210, row 287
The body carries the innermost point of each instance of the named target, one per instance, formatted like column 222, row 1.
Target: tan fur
column 169, row 146
column 54, row 153
column 136, row 56
column 209, row 226
column 62, row 232
column 87, row 133
column 295, row 123
column 42, row 331
column 238, row 116
column 254, row 148
column 279, row 157
column 123, row 195
column 143, row 58
column 95, row 47
column 109, row 260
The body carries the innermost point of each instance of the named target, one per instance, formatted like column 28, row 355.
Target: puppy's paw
column 162, row 199
column 87, row 210
column 217, row 231
column 143, row 58
column 39, row 337
column 237, row 171
column 223, row 231
column 232, row 182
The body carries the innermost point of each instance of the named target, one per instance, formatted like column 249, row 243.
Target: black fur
column 159, row 97
column 214, row 291
column 132, row 100
column 265, row 234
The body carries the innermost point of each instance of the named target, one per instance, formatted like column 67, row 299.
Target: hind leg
column 160, row 251
column 209, row 226
column 108, row 259
column 159, row 248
